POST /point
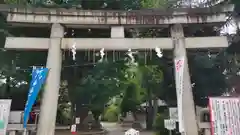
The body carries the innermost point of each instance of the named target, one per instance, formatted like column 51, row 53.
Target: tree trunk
column 73, row 112
column 155, row 109
column 97, row 124
column 149, row 112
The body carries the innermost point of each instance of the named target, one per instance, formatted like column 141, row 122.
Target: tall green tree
column 97, row 87
column 152, row 78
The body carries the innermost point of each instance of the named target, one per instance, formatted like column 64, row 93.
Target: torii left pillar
column 46, row 125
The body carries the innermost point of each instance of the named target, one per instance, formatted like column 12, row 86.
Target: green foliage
column 130, row 100
column 93, row 4
column 11, row 61
column 159, row 124
column 152, row 77
column 208, row 78
column 111, row 114
column 21, row 2
column 99, row 85
column 157, row 4
column 64, row 115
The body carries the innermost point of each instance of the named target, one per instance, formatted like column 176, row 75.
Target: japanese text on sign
column 225, row 115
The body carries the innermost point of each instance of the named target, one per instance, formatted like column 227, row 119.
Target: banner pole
column 25, row 131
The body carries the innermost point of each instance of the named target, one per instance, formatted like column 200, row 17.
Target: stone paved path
column 115, row 129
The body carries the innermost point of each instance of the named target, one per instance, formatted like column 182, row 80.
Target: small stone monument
column 132, row 131
column 89, row 120
column 127, row 121
column 129, row 117
column 130, row 122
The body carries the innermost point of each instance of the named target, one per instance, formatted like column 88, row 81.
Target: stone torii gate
column 58, row 19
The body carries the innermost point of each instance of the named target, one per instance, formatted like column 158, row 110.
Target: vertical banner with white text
column 179, row 69
column 39, row 75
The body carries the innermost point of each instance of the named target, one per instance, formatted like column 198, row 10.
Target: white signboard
column 179, row 69
column 170, row 124
column 5, row 106
column 77, row 120
column 15, row 117
column 173, row 113
column 225, row 115
column 73, row 128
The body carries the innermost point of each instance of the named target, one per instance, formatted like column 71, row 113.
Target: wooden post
column 189, row 116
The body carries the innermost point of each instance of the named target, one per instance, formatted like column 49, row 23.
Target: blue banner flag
column 39, row 76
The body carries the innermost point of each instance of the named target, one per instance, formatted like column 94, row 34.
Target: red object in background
column 32, row 116
column 34, row 112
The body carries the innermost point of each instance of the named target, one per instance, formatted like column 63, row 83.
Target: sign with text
column 179, row 69
column 73, row 129
column 170, row 124
column 173, row 113
column 225, row 115
column 77, row 120
column 5, row 106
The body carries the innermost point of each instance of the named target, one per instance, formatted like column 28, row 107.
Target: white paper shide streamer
column 158, row 52
column 102, row 54
column 73, row 50
column 179, row 68
column 130, row 55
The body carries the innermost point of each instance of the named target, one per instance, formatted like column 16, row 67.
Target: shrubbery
column 159, row 124
column 111, row 114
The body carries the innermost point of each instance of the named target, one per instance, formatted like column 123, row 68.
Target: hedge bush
column 111, row 114
column 159, row 124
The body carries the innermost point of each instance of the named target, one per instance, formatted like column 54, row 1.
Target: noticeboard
column 5, row 106
column 173, row 113
column 225, row 115
column 170, row 124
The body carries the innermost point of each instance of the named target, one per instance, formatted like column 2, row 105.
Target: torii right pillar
column 188, row 107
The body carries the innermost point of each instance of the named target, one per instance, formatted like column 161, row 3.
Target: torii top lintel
column 135, row 18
